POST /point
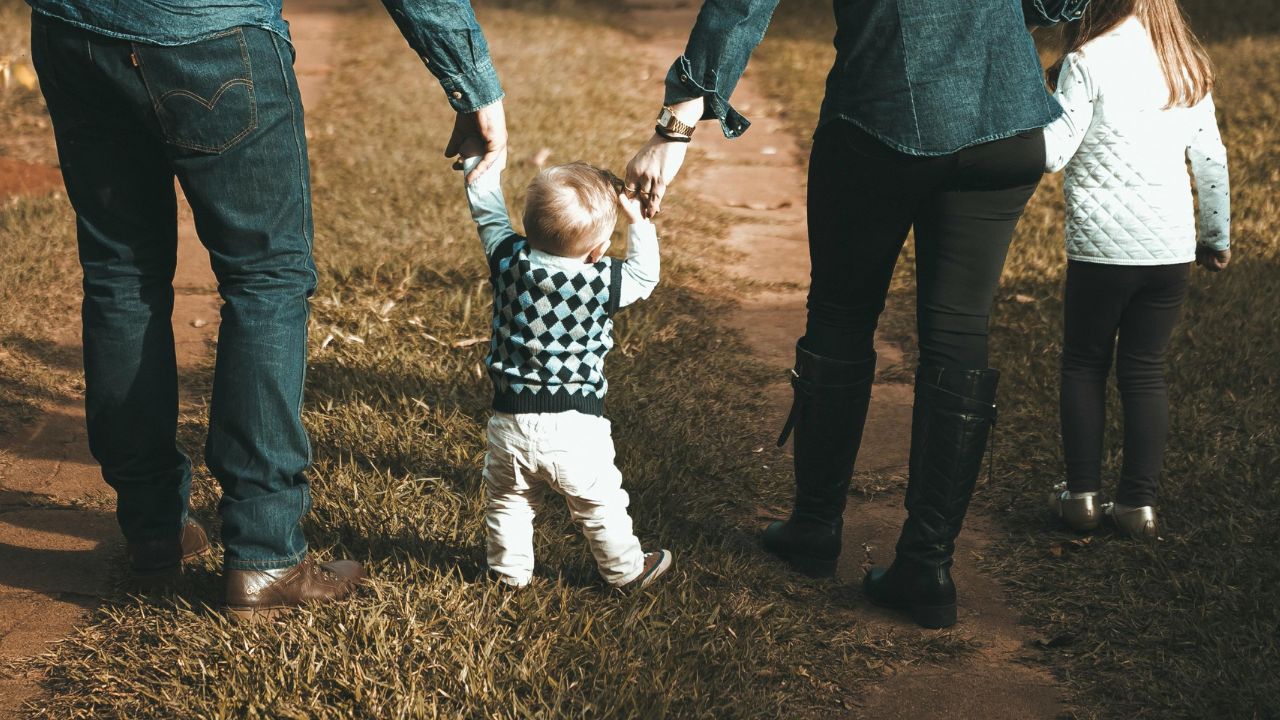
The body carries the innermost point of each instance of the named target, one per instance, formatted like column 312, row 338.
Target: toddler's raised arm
column 488, row 207
column 643, row 264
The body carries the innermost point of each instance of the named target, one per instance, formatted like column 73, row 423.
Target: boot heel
column 811, row 566
column 934, row 617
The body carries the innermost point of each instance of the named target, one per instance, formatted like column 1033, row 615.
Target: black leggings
column 1142, row 304
column 863, row 199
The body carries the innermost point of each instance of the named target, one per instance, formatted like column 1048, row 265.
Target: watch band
column 668, row 135
column 672, row 124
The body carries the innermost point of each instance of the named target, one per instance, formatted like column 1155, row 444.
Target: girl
column 1135, row 86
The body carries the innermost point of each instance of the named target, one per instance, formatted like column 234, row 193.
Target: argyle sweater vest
column 551, row 332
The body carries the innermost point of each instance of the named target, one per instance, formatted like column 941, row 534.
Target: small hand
column 1212, row 260
column 652, row 169
column 631, row 208
column 483, row 133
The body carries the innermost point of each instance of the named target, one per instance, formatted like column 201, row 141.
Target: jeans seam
column 303, row 184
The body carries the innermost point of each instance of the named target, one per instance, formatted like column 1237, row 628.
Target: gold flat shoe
column 1080, row 511
column 1136, row 522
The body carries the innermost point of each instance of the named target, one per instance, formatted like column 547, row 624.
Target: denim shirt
column 926, row 77
column 444, row 33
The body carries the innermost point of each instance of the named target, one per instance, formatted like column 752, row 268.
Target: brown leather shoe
column 262, row 594
column 161, row 557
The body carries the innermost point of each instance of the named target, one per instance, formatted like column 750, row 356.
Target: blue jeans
column 224, row 117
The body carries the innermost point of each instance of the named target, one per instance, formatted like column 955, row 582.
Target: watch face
column 664, row 116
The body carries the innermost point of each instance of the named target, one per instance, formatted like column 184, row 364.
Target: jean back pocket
column 202, row 92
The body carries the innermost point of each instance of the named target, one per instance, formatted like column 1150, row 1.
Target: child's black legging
column 1142, row 304
column 864, row 197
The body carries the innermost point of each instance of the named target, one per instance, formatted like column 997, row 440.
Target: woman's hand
column 655, row 166
column 652, row 169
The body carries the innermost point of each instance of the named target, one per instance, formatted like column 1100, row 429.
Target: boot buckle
column 794, row 414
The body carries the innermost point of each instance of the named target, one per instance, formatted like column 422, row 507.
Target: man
column 140, row 93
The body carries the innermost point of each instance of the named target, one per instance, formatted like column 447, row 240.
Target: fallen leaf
column 1060, row 548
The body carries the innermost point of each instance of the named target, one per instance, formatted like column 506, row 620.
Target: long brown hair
column 1186, row 65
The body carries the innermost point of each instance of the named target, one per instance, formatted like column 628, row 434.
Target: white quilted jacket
column 1128, row 195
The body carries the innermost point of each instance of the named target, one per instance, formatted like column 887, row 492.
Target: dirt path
column 57, row 526
column 760, row 176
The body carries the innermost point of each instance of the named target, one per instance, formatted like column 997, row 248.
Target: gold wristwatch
column 668, row 121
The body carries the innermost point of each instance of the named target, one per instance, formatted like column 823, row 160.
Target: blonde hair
column 570, row 208
column 1187, row 69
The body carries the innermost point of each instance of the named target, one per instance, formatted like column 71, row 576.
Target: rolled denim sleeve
column 725, row 34
column 447, row 37
column 1052, row 12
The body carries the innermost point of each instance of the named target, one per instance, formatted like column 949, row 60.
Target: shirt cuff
column 1218, row 240
column 682, row 85
column 1052, row 12
column 489, row 181
column 474, row 89
column 643, row 231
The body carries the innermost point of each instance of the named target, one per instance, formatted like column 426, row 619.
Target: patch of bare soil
column 19, row 177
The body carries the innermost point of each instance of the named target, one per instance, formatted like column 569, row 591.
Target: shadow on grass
column 1195, row 600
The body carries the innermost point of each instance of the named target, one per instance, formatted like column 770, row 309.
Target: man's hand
column 652, row 169
column 1212, row 260
column 631, row 208
column 484, row 133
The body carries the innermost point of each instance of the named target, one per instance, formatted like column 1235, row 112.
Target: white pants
column 571, row 453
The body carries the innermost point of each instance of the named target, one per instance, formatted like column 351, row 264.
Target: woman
column 932, row 121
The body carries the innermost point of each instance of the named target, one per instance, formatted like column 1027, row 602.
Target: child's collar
column 559, row 262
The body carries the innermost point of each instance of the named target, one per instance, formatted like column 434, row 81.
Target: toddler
column 554, row 297
column 1135, row 87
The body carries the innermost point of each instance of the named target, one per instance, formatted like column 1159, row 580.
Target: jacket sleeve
column 447, row 37
column 1208, row 158
column 722, row 40
column 488, row 207
column 1078, row 97
column 643, row 264
column 1051, row 12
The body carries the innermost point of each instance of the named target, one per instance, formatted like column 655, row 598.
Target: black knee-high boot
column 951, row 421
column 828, row 414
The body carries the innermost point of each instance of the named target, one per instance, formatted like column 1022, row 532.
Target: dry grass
column 24, row 127
column 1188, row 628
column 396, row 411
column 39, row 292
